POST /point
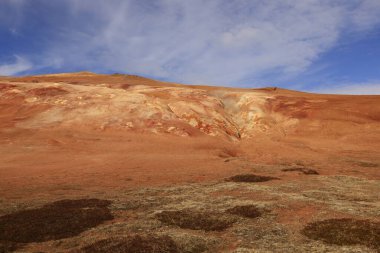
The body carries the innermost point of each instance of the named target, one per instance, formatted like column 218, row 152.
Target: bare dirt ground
column 248, row 171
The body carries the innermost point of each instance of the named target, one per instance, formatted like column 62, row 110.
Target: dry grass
column 250, row 178
column 134, row 244
column 249, row 211
column 345, row 232
column 54, row 221
column 196, row 220
column 302, row 170
column 195, row 211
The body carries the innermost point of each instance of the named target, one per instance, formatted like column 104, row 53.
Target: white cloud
column 366, row 15
column 18, row 66
column 214, row 41
column 222, row 42
column 353, row 89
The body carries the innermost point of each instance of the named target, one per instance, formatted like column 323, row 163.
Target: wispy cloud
column 372, row 88
column 19, row 65
column 366, row 15
column 220, row 42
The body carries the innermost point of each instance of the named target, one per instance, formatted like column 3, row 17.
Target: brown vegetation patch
column 47, row 91
column 368, row 164
column 61, row 219
column 6, row 86
column 134, row 244
column 7, row 246
column 249, row 211
column 196, row 220
column 302, row 170
column 345, row 232
column 125, row 86
column 250, row 178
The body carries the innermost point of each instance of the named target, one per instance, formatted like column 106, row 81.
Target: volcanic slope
column 300, row 162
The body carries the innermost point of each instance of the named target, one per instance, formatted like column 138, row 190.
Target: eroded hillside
column 130, row 103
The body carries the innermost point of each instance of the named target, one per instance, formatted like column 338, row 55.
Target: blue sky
column 329, row 46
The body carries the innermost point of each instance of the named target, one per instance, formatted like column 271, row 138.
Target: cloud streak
column 20, row 65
